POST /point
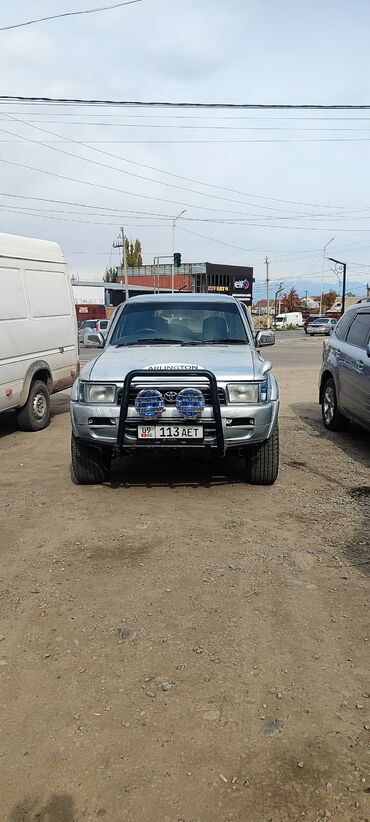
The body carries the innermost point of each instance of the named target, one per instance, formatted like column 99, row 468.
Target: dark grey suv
column 345, row 371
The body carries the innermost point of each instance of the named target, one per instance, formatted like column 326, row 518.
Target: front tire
column 331, row 417
column 90, row 465
column 35, row 414
column 262, row 461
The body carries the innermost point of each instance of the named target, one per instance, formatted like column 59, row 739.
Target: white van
column 38, row 328
column 294, row 319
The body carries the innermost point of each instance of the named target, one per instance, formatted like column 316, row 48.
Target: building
column 337, row 304
column 205, row 278
column 97, row 299
column 261, row 307
column 311, row 303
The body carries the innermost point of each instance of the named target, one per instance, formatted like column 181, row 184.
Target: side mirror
column 94, row 340
column 368, row 349
column 264, row 338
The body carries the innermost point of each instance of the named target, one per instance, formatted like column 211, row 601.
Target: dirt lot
column 179, row 646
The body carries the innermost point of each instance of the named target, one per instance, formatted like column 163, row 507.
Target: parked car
column 101, row 326
column 86, row 325
column 324, row 325
column 310, row 319
column 345, row 371
column 38, row 328
column 179, row 373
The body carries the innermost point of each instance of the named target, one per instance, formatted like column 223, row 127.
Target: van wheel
column 262, row 461
column 331, row 417
column 35, row 414
column 90, row 465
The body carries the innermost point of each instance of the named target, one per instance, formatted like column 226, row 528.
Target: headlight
column 100, row 394
column 244, row 393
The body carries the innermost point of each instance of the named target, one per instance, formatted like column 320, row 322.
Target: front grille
column 206, row 391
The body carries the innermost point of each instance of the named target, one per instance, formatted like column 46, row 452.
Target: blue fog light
column 190, row 403
column 149, row 403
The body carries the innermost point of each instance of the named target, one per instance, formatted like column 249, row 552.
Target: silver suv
column 179, row 373
column 345, row 371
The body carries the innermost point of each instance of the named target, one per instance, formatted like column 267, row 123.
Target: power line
column 182, row 105
column 80, row 222
column 109, row 188
column 145, row 196
column 228, row 142
column 69, row 14
column 189, row 127
column 159, row 171
column 198, row 117
column 86, row 205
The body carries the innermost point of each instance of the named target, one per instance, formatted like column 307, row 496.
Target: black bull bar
column 173, row 373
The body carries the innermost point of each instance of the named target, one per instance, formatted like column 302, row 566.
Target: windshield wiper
column 215, row 342
column 147, row 341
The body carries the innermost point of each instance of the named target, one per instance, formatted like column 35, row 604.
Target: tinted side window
column 343, row 325
column 359, row 331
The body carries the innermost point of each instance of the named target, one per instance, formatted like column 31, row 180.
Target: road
column 179, row 646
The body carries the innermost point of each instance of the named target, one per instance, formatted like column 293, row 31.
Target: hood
column 227, row 362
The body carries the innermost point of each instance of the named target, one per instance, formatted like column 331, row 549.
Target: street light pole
column 323, row 271
column 344, row 285
column 276, row 296
column 267, row 291
column 173, row 249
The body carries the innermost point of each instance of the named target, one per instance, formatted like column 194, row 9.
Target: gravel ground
column 178, row 646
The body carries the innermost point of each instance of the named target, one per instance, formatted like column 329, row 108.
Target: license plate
column 170, row 432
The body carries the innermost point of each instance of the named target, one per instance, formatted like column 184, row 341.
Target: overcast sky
column 255, row 51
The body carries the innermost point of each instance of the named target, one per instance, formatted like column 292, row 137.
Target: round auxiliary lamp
column 190, row 403
column 149, row 403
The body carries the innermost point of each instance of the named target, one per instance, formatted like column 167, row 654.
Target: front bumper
column 225, row 426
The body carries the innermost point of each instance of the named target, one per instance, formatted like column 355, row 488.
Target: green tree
column 291, row 301
column 137, row 252
column 110, row 275
column 133, row 253
column 328, row 299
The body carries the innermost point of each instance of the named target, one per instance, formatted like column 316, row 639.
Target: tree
column 328, row 299
column 133, row 253
column 137, row 252
column 292, row 301
column 110, row 275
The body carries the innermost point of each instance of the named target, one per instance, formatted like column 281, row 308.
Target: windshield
column 182, row 323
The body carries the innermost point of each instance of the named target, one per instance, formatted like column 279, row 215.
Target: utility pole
column 125, row 264
column 267, row 292
column 121, row 244
column 173, row 249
